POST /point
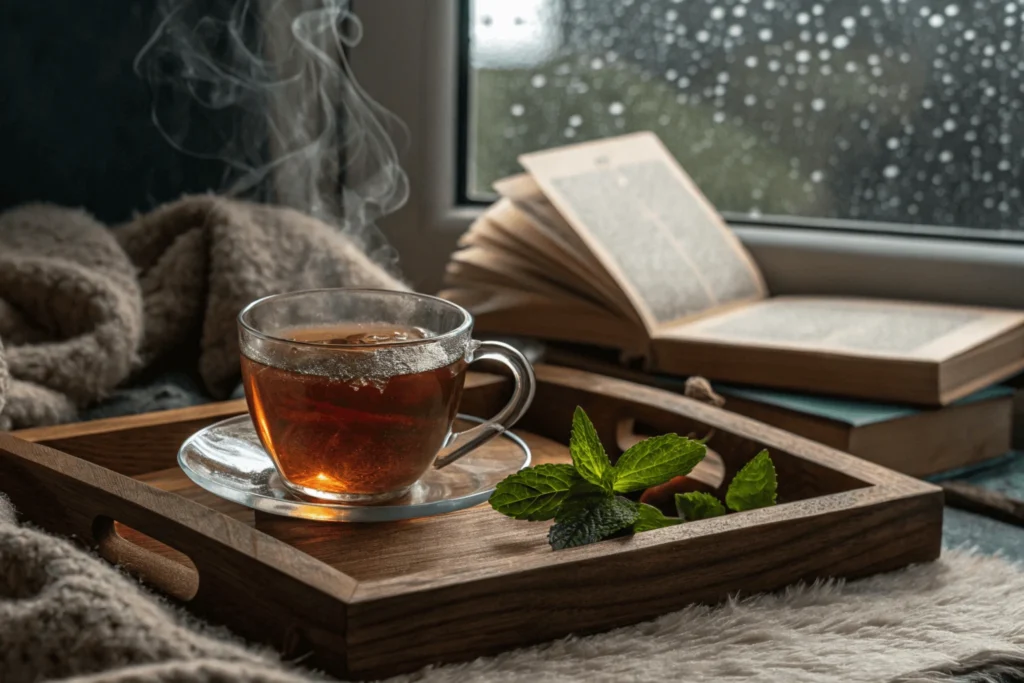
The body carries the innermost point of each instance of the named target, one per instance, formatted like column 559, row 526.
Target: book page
column 509, row 270
column 526, row 211
column 524, row 191
column 649, row 225
column 518, row 218
column 858, row 327
column 565, row 318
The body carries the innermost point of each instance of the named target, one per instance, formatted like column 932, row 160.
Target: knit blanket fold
column 84, row 308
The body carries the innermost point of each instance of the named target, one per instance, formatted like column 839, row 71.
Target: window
column 421, row 60
column 908, row 113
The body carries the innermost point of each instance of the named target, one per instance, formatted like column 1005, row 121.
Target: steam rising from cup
column 265, row 87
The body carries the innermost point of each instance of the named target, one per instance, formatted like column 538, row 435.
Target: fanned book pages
column 611, row 244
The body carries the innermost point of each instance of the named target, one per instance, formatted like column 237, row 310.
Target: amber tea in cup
column 353, row 392
column 357, row 435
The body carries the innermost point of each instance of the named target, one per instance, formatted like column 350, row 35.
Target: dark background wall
column 75, row 125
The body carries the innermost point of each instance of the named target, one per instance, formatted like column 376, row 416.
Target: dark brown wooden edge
column 966, row 496
column 72, row 497
column 877, row 520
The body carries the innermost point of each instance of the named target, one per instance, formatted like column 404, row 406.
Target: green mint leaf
column 655, row 460
column 587, row 453
column 591, row 520
column 698, row 505
column 535, row 493
column 754, row 486
column 650, row 518
column 582, row 488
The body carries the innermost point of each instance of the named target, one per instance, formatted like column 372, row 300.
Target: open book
column 611, row 244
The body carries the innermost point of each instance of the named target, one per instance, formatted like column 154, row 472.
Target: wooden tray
column 369, row 600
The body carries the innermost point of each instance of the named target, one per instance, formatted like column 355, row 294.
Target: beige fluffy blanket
column 83, row 308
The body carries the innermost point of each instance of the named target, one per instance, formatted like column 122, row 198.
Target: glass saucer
column 228, row 460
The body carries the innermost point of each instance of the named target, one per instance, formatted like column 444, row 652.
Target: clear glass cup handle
column 461, row 443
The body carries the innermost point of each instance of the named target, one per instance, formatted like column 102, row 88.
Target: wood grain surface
column 368, row 600
column 136, row 444
column 966, row 496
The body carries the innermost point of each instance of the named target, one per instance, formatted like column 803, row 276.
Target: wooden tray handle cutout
column 160, row 566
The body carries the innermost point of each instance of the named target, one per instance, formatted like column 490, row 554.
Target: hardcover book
column 610, row 243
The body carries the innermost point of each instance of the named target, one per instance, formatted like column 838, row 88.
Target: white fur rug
column 870, row 630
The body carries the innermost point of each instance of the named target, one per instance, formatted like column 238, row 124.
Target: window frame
column 409, row 61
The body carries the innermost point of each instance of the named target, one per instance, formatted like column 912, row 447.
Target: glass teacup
column 354, row 392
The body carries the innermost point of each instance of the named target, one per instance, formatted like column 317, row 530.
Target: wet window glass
column 908, row 113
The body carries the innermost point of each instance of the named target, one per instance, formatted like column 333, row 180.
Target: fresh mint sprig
column 698, row 505
column 592, row 520
column 754, row 486
column 588, row 456
column 535, row 493
column 650, row 518
column 655, row 460
column 584, row 498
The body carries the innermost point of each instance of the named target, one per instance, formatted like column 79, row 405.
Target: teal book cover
column 852, row 412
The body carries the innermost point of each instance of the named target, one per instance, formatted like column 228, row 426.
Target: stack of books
column 920, row 441
column 610, row 247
